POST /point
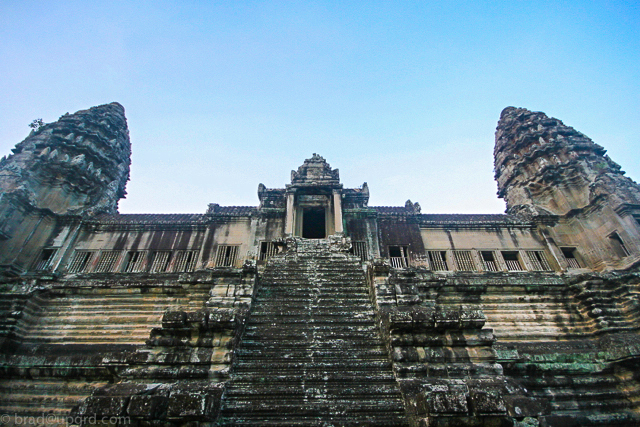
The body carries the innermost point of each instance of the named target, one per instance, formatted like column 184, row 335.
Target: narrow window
column 489, row 261
column 185, row 261
column 134, row 261
column 160, row 261
column 46, row 257
column 398, row 256
column 81, row 261
column 269, row 249
column 618, row 245
column 438, row 260
column 571, row 257
column 464, row 261
column 512, row 261
column 226, row 255
column 538, row 261
column 107, row 261
column 359, row 249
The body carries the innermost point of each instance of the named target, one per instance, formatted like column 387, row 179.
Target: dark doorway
column 313, row 223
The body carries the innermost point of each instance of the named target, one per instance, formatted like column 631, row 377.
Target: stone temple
column 313, row 308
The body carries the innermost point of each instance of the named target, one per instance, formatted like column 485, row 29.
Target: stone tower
column 78, row 165
column 550, row 172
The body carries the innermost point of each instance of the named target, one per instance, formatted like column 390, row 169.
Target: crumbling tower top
column 76, row 165
column 545, row 166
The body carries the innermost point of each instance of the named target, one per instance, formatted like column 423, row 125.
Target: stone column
column 289, row 224
column 337, row 211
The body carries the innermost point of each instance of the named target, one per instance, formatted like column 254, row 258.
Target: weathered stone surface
column 79, row 164
column 389, row 317
column 563, row 160
column 148, row 407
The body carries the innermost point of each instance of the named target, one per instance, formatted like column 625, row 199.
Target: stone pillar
column 337, row 211
column 289, row 224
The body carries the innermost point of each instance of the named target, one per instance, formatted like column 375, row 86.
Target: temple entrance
column 313, row 223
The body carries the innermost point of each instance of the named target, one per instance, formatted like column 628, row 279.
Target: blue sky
column 221, row 96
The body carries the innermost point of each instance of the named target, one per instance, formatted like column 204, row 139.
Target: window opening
column 618, row 245
column 134, row 261
column 185, row 260
column 359, row 249
column 538, row 261
column 464, row 260
column 313, row 223
column 46, row 257
column 571, row 258
column 512, row 261
column 269, row 249
column 489, row 261
column 81, row 261
column 398, row 256
column 438, row 260
column 226, row 255
column 160, row 261
column 107, row 261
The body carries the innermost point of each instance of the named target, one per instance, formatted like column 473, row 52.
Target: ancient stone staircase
column 311, row 353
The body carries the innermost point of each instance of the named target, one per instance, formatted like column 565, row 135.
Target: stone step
column 293, row 387
column 275, row 303
column 357, row 305
column 316, row 363
column 114, row 320
column 319, row 333
column 315, row 360
column 333, row 290
column 355, row 310
column 285, row 337
column 97, row 332
column 319, row 314
column 336, row 412
column 266, row 348
column 345, row 275
column 312, row 293
column 293, row 375
column 324, row 303
column 328, row 420
column 276, row 379
column 312, row 323
column 34, row 398
column 317, row 400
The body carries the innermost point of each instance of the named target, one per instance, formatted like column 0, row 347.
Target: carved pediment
column 315, row 171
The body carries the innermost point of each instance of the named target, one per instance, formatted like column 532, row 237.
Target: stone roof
column 498, row 219
column 433, row 219
column 445, row 219
column 235, row 210
column 148, row 218
column 392, row 210
column 173, row 218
